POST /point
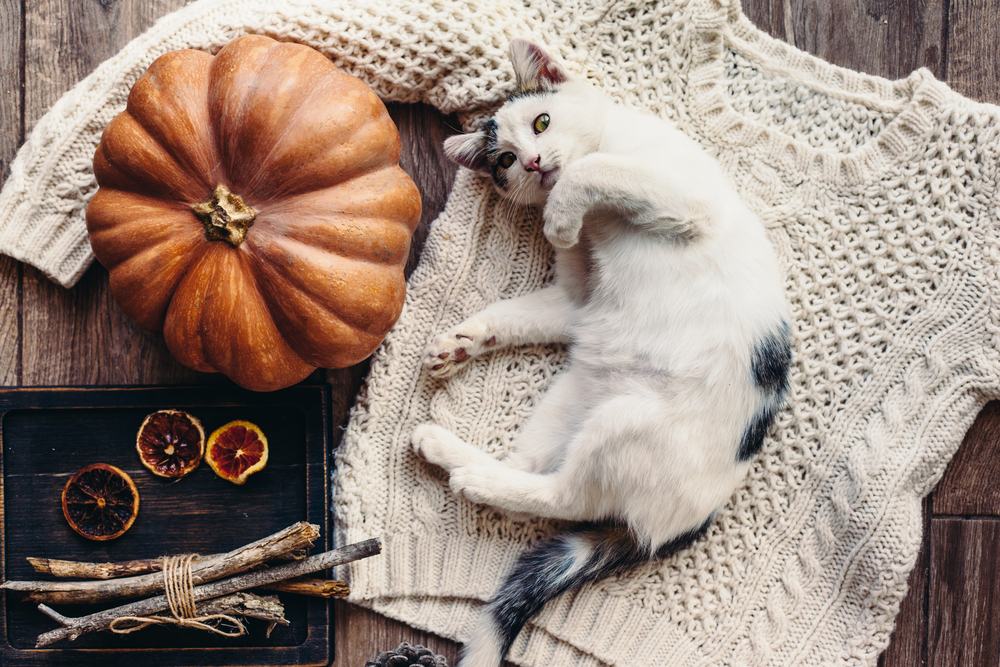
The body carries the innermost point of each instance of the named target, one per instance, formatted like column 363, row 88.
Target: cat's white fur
column 666, row 285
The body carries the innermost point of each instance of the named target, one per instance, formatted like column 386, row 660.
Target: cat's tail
column 560, row 564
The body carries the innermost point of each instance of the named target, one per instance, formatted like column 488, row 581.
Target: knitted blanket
column 880, row 197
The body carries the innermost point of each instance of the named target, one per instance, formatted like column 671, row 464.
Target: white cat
column 667, row 292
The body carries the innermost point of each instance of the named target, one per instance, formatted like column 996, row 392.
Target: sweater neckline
column 913, row 102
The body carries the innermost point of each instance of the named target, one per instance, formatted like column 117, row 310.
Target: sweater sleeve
column 448, row 53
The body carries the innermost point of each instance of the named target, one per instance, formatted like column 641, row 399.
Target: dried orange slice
column 170, row 443
column 100, row 502
column 236, row 451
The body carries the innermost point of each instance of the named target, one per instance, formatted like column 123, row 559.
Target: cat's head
column 551, row 120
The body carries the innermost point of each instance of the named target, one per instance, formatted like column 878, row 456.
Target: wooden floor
column 53, row 336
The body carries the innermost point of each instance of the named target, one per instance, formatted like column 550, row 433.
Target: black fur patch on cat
column 770, row 361
column 492, row 154
column 769, row 367
column 753, row 436
column 553, row 567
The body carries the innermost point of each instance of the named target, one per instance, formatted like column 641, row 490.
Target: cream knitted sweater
column 881, row 199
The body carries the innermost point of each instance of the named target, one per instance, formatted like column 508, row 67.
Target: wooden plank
column 908, row 645
column 971, row 483
column 10, row 333
column 80, row 336
column 964, row 593
column 769, row 16
column 973, row 33
column 11, row 136
column 889, row 39
column 12, row 57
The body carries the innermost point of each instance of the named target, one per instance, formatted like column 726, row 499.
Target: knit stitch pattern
column 881, row 199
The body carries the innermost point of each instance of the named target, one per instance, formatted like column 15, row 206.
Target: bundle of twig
column 198, row 591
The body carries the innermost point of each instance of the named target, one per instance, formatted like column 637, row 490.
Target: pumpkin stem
column 226, row 216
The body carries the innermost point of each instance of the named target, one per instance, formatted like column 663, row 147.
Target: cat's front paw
column 452, row 350
column 562, row 224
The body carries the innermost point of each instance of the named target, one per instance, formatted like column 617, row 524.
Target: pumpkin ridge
column 160, row 93
column 356, row 320
column 289, row 128
column 385, row 160
column 179, row 160
column 258, row 266
column 181, row 157
column 111, row 167
column 220, row 352
column 106, row 231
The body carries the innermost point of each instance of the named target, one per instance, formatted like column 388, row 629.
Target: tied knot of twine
column 178, row 586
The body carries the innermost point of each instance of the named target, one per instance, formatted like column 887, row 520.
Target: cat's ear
column 535, row 69
column 468, row 150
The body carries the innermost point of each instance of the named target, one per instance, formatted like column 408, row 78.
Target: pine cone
column 405, row 655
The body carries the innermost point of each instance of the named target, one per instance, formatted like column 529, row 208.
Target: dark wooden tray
column 49, row 433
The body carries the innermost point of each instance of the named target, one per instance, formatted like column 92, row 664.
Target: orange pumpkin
column 251, row 205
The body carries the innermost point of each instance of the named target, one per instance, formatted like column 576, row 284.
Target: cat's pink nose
column 533, row 165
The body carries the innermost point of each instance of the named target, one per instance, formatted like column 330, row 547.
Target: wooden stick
column 294, row 537
column 324, row 588
column 83, row 570
column 75, row 627
column 245, row 604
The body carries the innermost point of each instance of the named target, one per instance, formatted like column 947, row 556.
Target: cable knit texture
column 881, row 199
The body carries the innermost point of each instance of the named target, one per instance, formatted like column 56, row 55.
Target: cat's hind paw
column 441, row 447
column 451, row 351
column 475, row 483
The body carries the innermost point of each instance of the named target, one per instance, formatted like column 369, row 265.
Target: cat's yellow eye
column 541, row 123
column 506, row 160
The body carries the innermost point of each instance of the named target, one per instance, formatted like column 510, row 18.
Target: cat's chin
column 549, row 178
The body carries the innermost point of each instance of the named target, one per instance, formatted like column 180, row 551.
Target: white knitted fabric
column 881, row 199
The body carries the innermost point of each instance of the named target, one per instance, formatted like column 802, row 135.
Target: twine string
column 178, row 586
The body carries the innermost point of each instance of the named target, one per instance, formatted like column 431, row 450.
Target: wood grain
column 971, row 483
column 964, row 593
column 11, row 136
column 770, row 16
column 10, row 330
column 973, row 35
column 881, row 37
column 80, row 336
column 11, row 102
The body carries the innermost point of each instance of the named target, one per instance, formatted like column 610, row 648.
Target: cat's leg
column 625, row 185
column 539, row 446
column 480, row 478
column 567, row 492
column 544, row 316
column 627, row 453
